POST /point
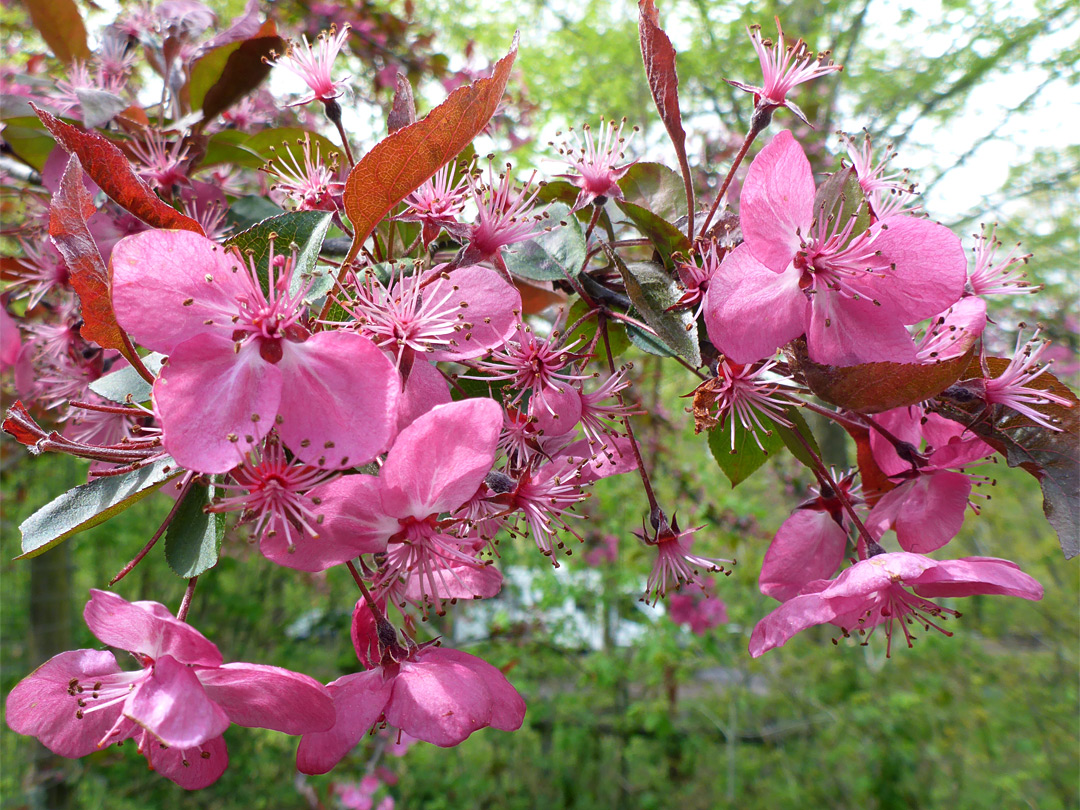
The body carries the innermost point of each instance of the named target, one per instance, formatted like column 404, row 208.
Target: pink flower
column 596, row 163
column 313, row 64
column 992, row 277
column 331, row 396
column 438, row 202
column 743, row 394
column 437, row 695
column 176, row 707
column 886, row 193
column 783, row 68
column 436, row 465
column 503, row 218
column 876, row 592
column 799, row 271
column 954, row 331
column 312, row 186
column 161, row 165
column 1012, row 388
column 676, row 565
column 809, row 545
column 699, row 611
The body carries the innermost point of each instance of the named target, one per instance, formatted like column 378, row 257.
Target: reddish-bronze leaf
column 659, row 57
column 876, row 387
column 243, row 71
column 1051, row 456
column 403, row 112
column 19, row 423
column 400, row 162
column 61, row 26
column 71, row 206
column 874, row 482
column 108, row 167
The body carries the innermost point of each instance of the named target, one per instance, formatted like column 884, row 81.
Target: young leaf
column 87, row 505
column 62, row 28
column 305, row 229
column 71, row 207
column 118, row 385
column 876, row 387
column 403, row 112
column 194, row 536
column 656, row 188
column 652, row 291
column 557, row 254
column 111, row 170
column 665, row 237
column 791, row 440
column 843, row 197
column 659, row 56
column 1052, row 457
column 237, row 69
column 747, row 456
column 400, row 162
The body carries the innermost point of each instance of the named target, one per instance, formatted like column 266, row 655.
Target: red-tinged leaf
column 1051, row 456
column 61, row 26
column 19, row 423
column 71, row 206
column 876, row 387
column 400, row 162
column 536, row 296
column 659, row 57
column 111, row 170
column 236, row 69
column 874, row 482
column 403, row 112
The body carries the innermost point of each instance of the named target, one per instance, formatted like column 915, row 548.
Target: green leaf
column 558, row 191
column 194, row 536
column 207, row 70
column 27, row 140
column 652, row 291
column 228, row 146
column 665, row 237
column 118, row 385
column 557, row 254
column 787, row 435
column 306, row 229
column 87, row 505
column 842, row 197
column 648, row 342
column 585, row 331
column 656, row 188
column 747, row 456
column 248, row 212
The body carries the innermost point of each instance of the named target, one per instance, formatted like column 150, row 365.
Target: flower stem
column 185, row 604
column 127, row 569
column 753, row 133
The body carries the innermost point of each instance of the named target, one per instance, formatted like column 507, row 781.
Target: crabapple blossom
column 313, row 64
column 176, row 707
column 223, row 333
column 800, row 271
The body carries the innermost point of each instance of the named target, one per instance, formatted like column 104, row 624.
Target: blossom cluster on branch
column 393, row 364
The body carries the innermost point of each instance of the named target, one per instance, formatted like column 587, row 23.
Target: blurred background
column 632, row 706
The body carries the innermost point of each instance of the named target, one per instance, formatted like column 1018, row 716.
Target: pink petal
column 564, row 413
column 905, row 424
column 365, row 634
column 930, row 272
column 155, row 272
column 846, row 332
column 41, row 706
column 191, row 768
column 261, row 696
column 147, row 628
column 359, row 700
column 173, row 706
column 338, row 399
column 613, row 457
column 354, row 521
column 493, row 308
column 455, row 582
column 507, row 705
column 215, row 403
column 809, row 545
column 977, row 575
column 750, row 311
column 425, row 388
column 926, row 513
column 777, row 200
column 793, row 616
column 440, row 460
column 439, row 700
